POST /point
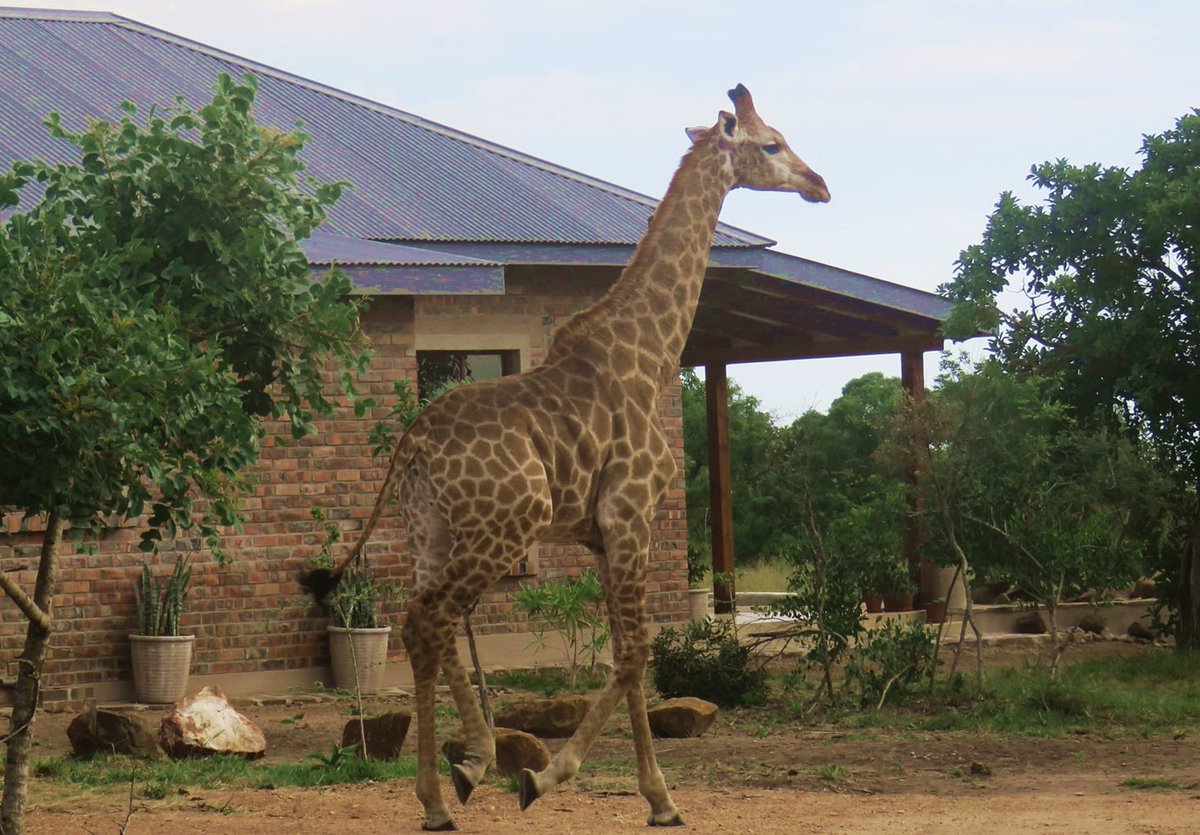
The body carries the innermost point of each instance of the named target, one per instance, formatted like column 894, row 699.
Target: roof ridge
column 750, row 238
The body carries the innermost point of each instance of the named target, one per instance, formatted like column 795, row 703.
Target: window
column 436, row 369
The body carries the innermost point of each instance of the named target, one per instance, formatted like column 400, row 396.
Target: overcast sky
column 918, row 114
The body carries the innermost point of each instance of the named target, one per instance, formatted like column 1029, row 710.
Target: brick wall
column 249, row 617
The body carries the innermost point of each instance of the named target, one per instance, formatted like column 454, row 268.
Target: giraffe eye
column 773, row 148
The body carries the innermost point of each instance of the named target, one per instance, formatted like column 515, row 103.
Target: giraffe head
column 759, row 154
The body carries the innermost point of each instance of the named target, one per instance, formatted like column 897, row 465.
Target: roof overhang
column 761, row 305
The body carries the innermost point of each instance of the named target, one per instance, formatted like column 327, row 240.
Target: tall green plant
column 573, row 608
column 160, row 605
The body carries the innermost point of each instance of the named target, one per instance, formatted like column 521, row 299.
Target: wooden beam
column 720, row 486
column 697, row 355
column 912, row 378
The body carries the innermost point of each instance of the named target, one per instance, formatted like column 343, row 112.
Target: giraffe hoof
column 672, row 820
column 527, row 790
column 447, row 825
column 462, row 783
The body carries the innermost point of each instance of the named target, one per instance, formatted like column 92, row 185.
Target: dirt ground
column 748, row 774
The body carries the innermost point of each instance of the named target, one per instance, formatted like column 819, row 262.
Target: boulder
column 204, row 724
column 1145, row 587
column 1093, row 622
column 515, row 750
column 1140, row 632
column 1031, row 623
column 552, row 718
column 385, row 734
column 107, row 732
column 682, row 718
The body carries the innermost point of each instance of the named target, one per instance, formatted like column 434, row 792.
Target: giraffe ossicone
column 572, row 450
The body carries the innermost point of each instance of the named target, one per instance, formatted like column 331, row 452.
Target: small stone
column 981, row 769
column 108, row 732
column 682, row 718
column 204, row 724
column 385, row 734
column 553, row 718
column 1031, row 623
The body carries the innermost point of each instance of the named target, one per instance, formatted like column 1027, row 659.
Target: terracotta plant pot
column 367, row 647
column 873, row 602
column 161, row 664
column 902, row 602
column 935, row 611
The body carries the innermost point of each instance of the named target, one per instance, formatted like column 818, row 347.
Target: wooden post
column 912, row 377
column 716, row 389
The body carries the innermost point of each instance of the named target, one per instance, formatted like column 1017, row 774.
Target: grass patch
column 1154, row 692
column 545, row 681
column 1148, row 783
column 158, row 778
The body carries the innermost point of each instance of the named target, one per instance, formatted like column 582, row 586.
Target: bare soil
column 751, row 773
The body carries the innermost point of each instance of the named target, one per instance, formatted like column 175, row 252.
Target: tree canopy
column 1106, row 266
column 157, row 305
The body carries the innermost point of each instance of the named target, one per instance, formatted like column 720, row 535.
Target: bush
column 890, row 660
column 705, row 660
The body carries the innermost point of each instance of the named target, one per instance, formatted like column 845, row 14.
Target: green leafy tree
column 751, row 441
column 156, row 307
column 1106, row 264
column 1032, row 499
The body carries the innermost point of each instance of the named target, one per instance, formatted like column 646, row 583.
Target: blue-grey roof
column 414, row 180
column 387, row 268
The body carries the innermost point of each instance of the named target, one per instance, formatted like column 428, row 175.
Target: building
column 466, row 248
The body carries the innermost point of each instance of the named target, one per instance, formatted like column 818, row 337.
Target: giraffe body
column 570, row 451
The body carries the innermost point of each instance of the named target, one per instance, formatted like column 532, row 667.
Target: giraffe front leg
column 424, row 660
column 650, row 778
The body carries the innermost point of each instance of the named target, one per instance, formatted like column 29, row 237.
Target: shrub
column 704, row 659
column 574, row 608
column 890, row 660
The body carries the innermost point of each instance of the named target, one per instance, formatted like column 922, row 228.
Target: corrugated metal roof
column 413, row 179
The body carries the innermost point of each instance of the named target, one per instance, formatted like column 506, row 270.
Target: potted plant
column 358, row 645
column 161, row 656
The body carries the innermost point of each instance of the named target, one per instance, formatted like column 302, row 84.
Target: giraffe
column 572, row 450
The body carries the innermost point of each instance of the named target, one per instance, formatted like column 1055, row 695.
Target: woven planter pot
column 160, row 667
column 366, row 646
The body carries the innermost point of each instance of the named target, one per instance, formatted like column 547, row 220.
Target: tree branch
column 24, row 602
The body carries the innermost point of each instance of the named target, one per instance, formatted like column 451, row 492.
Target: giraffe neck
column 649, row 310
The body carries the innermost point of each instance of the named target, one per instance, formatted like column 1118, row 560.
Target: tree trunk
column 29, row 676
column 1187, row 635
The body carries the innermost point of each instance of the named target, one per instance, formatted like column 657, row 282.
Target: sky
column 918, row 114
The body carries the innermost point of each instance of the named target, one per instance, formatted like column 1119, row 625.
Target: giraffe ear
column 728, row 123
column 697, row 133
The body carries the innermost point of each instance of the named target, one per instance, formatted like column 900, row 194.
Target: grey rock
column 108, row 732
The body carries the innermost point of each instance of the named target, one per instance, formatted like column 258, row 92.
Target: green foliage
column 574, row 609
column 705, row 659
column 156, row 307
column 160, row 606
column 890, row 661
column 222, row 772
column 546, row 681
column 356, row 600
column 755, row 508
column 1107, row 265
column 1036, row 500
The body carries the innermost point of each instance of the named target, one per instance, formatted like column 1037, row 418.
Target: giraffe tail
column 321, row 582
